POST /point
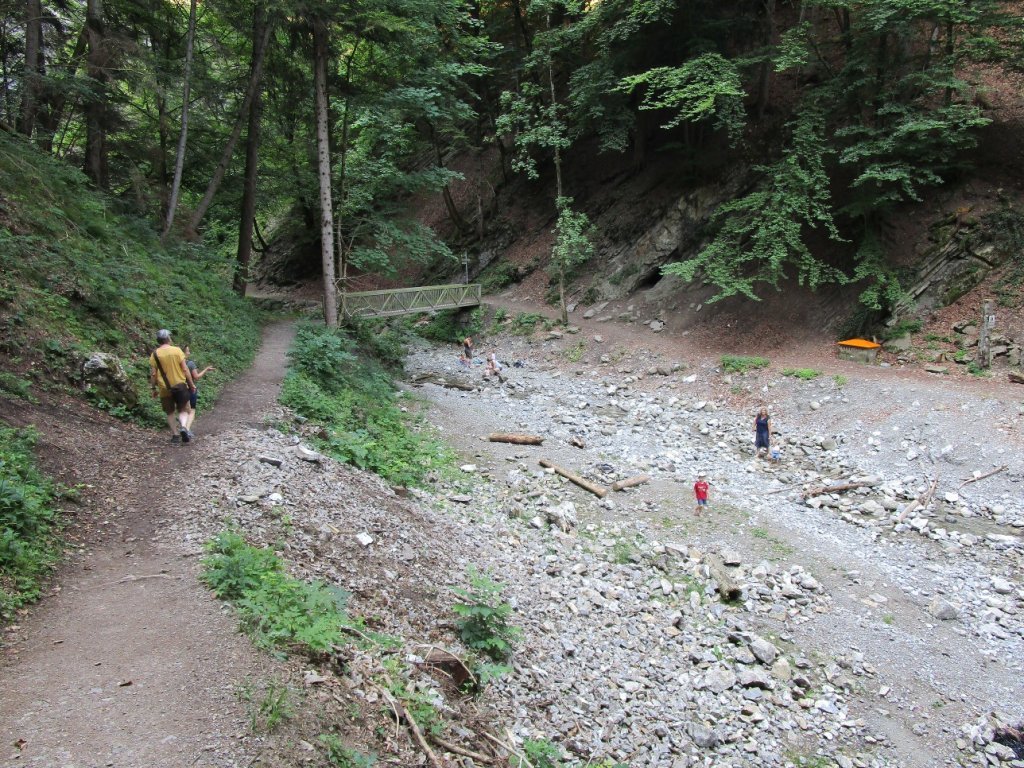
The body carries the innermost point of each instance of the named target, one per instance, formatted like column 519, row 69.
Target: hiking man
column 173, row 384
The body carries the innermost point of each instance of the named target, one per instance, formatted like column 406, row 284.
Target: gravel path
column 129, row 663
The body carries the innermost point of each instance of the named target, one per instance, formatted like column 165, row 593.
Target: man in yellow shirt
column 173, row 384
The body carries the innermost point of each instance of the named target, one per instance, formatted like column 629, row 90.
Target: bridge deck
column 407, row 301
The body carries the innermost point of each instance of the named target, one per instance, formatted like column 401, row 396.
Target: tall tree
column 33, row 65
column 179, row 158
column 323, row 147
column 96, row 107
column 244, row 112
column 247, row 217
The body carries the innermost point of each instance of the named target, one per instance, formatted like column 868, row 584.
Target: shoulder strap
column 157, row 358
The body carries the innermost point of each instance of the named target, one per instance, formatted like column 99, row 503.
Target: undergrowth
column 742, row 363
column 277, row 610
column 77, row 277
column 342, row 385
column 28, row 522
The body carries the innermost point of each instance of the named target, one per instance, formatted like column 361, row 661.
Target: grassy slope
column 76, row 277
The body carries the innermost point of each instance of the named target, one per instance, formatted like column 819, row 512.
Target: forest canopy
column 217, row 120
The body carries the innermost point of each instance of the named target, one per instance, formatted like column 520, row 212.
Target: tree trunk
column 251, row 93
column 765, row 79
column 33, row 51
column 179, row 159
column 323, row 151
column 252, row 149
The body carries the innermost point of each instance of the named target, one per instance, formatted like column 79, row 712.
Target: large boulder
column 103, row 373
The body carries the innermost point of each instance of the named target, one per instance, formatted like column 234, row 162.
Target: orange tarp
column 859, row 343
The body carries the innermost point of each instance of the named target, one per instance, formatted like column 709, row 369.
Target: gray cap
column 702, row 474
column 162, row 334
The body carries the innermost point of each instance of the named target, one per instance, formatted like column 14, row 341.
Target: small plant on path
column 484, row 617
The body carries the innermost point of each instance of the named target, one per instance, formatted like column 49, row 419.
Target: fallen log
column 630, row 482
column 970, row 480
column 443, row 381
column 920, row 502
column 517, row 439
column 586, row 485
column 842, row 487
column 727, row 587
column 1016, row 378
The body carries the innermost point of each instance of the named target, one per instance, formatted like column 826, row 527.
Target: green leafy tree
column 762, row 233
column 574, row 245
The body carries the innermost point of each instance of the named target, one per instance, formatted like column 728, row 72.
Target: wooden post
column 984, row 346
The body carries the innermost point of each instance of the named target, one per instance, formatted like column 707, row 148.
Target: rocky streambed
column 880, row 625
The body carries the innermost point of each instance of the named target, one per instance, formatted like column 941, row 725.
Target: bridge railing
column 406, row 301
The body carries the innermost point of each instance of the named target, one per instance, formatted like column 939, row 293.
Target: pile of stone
column 992, row 741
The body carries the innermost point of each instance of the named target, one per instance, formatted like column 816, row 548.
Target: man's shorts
column 702, row 502
column 176, row 400
column 193, row 398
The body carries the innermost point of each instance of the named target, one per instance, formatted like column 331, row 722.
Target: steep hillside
column 79, row 281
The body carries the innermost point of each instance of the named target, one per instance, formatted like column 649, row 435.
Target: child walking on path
column 700, row 490
column 196, row 376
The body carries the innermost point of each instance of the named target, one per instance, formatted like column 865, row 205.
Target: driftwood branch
column 517, row 439
column 630, row 482
column 523, row 762
column 727, row 587
column 456, row 749
column 970, row 480
column 783, row 489
column 403, row 712
column 586, row 485
column 821, row 489
column 920, row 502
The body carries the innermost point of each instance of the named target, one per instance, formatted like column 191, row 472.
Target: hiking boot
column 191, row 434
column 185, row 435
column 175, row 438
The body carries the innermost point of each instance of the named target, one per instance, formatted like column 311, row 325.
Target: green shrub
column 28, row 522
column 742, row 363
column 542, row 753
column 802, row 373
column 338, row 385
column 276, row 609
column 901, row 329
column 483, row 618
column 340, row 756
column 524, row 323
column 451, row 326
column 575, row 354
column 498, row 276
column 840, row 380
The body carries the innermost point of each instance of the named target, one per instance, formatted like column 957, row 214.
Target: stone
column 782, row 671
column 364, row 538
column 731, row 557
column 754, row 677
column 936, row 369
column 657, row 326
column 1002, row 586
column 103, row 373
column 719, row 679
column 764, row 651
column 305, row 453
column 271, row 460
column 702, row 736
column 942, row 610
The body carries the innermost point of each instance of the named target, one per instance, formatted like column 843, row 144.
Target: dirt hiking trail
column 130, row 663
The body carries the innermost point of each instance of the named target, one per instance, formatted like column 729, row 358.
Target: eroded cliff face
column 677, row 234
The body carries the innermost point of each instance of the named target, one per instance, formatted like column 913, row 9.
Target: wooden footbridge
column 408, row 301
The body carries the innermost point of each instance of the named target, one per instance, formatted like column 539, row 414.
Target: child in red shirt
column 700, row 490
